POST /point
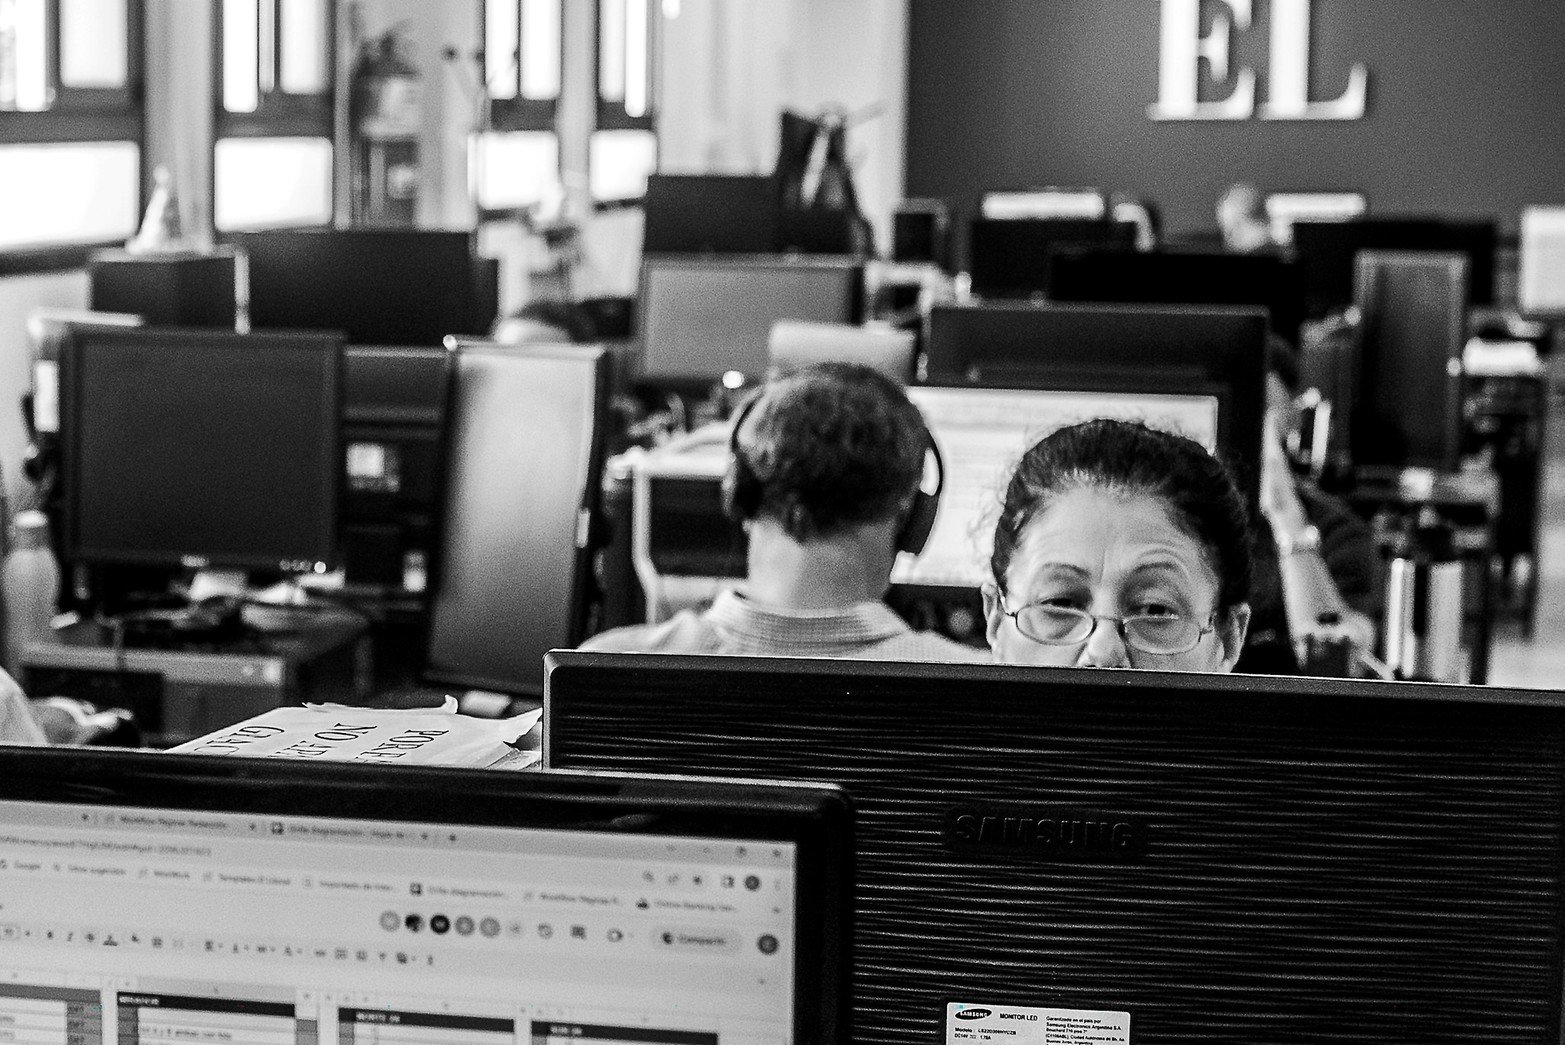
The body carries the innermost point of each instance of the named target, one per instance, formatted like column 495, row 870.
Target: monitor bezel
column 817, row 819
column 327, row 545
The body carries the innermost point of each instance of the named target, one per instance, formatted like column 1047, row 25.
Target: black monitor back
column 1011, row 257
column 700, row 317
column 1184, row 278
column 1226, row 859
column 523, row 461
column 1407, row 401
column 1326, row 251
column 1202, row 350
column 710, row 214
column 379, row 286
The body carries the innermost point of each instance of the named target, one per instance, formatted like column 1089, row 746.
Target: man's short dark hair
column 826, row 448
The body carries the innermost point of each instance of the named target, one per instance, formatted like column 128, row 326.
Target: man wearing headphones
column 825, row 473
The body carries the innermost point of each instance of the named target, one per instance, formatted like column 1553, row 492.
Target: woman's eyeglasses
column 1160, row 634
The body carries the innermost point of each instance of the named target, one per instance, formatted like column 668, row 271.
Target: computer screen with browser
column 983, row 432
column 596, row 917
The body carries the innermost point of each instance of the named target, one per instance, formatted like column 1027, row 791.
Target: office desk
column 179, row 694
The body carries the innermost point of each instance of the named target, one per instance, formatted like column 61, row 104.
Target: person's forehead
column 1094, row 533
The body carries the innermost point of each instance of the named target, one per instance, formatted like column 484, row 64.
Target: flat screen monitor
column 169, row 898
column 1134, row 856
column 1327, row 250
column 700, row 318
column 378, row 286
column 983, row 432
column 198, row 448
column 1122, row 349
column 1010, row 257
column 1178, row 278
column 523, row 462
column 710, row 214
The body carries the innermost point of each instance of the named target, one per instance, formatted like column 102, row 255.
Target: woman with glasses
column 1119, row 546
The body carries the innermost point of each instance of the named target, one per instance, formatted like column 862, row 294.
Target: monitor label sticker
column 974, row 1024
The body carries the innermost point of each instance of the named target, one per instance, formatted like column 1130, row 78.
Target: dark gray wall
column 1466, row 106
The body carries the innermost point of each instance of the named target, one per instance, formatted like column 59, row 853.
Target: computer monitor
column 1542, row 263
column 700, row 318
column 157, row 897
column 921, row 232
column 983, row 432
column 1286, row 209
column 710, row 214
column 1010, row 257
column 522, row 470
column 201, row 448
column 1204, row 857
column 1326, row 252
column 47, row 330
column 378, row 286
column 1179, row 278
column 1407, row 399
column 1186, row 350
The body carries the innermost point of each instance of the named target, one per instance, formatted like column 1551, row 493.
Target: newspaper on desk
column 337, row 733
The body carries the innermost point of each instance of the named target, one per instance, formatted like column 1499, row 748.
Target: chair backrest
column 796, row 344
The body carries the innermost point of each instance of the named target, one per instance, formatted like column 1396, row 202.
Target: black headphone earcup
column 920, row 523
column 925, row 507
column 742, row 491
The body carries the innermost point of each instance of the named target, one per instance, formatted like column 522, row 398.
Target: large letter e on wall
column 1183, row 47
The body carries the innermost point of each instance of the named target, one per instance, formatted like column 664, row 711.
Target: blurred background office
column 975, row 180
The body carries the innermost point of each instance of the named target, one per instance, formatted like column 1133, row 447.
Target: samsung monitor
column 1122, row 349
column 1010, row 257
column 171, row 898
column 201, row 448
column 1134, row 856
column 1327, row 251
column 982, row 434
column 710, row 214
column 523, row 458
column 700, row 318
column 378, row 286
column 1178, row 278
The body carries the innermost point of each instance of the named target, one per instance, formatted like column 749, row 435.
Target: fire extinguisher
column 384, row 114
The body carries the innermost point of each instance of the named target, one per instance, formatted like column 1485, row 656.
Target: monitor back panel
column 378, row 286
column 1407, row 407
column 523, row 462
column 702, row 317
column 1371, row 863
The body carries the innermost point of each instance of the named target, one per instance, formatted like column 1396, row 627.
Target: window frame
column 518, row 113
column 278, row 114
column 612, row 115
column 81, row 115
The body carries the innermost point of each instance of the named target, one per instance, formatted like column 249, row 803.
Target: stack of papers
column 337, row 733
